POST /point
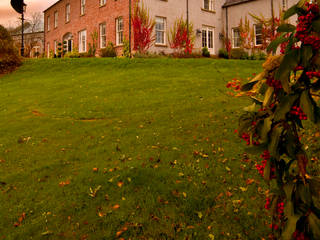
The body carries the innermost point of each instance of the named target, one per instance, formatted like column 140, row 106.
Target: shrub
column 9, row 56
column 205, row 52
column 262, row 56
column 143, row 26
column 223, row 53
column 179, row 38
column 238, row 53
column 108, row 51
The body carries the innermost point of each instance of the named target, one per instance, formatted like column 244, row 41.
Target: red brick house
column 74, row 21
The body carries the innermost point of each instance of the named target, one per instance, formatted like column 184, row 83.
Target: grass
column 157, row 136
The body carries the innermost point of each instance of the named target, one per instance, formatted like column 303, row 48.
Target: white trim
column 233, row 38
column 82, row 7
column 68, row 11
column 103, row 36
column 82, row 41
column 48, row 23
column 56, row 16
column 102, row 2
column 211, row 5
column 163, row 31
column 119, row 31
column 255, row 34
column 206, row 35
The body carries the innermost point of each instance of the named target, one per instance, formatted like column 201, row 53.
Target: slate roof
column 229, row 3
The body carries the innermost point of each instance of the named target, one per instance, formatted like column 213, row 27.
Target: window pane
column 204, row 38
column 210, row 39
column 206, row 4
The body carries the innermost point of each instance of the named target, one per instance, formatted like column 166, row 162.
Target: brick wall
column 94, row 15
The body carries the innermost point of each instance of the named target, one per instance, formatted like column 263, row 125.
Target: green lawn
column 160, row 133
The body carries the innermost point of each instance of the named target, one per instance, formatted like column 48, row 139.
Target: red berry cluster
column 274, row 83
column 268, row 204
column 260, row 167
column 304, row 24
column 297, row 235
column 313, row 74
column 274, row 226
column 298, row 68
column 280, row 209
column 246, row 137
column 297, row 111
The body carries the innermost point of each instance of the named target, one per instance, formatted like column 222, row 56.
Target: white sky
column 9, row 17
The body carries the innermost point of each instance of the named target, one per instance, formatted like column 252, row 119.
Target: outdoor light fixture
column 198, row 32
column 20, row 7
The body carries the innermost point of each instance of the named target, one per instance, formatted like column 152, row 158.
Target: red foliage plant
column 143, row 27
column 179, row 37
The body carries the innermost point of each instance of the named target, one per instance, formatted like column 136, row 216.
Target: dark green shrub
column 238, row 53
column 205, row 52
column 223, row 53
column 9, row 55
column 262, row 56
column 108, row 51
column 126, row 49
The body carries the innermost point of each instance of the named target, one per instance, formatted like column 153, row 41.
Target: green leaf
column 256, row 149
column 304, row 193
column 267, row 171
column 316, row 25
column 291, row 145
column 291, row 225
column 248, row 86
column 275, row 140
column 314, row 183
column 268, row 96
column 289, row 62
column 314, row 224
column 308, row 105
column 286, row 27
column 290, row 12
column 275, row 43
column 265, row 129
column 251, row 108
column 302, row 3
column 284, row 107
column 306, row 55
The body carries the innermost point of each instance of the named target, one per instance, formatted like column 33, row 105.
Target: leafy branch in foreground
column 285, row 95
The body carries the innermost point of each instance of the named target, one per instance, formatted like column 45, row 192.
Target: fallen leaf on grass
column 62, row 184
column 21, row 218
column 120, row 184
column 249, row 181
column 117, row 206
column 93, row 192
column 95, row 169
column 243, row 189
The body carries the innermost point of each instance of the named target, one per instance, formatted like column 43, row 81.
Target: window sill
column 101, row 6
column 119, row 45
column 81, row 15
column 207, row 10
column 160, row 45
column 67, row 21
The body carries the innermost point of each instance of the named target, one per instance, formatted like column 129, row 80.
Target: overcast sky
column 9, row 17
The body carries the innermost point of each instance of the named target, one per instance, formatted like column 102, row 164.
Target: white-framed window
column 82, row 7
column 160, row 30
column 208, row 5
column 119, row 31
column 258, row 34
column 56, row 15
column 55, row 47
column 103, row 2
column 103, row 36
column 235, row 38
column 48, row 50
column 83, row 41
column 68, row 12
column 207, row 37
column 48, row 23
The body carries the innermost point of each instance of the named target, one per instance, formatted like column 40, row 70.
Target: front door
column 208, row 38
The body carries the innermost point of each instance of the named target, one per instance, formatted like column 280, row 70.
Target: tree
column 143, row 27
column 9, row 56
column 284, row 96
